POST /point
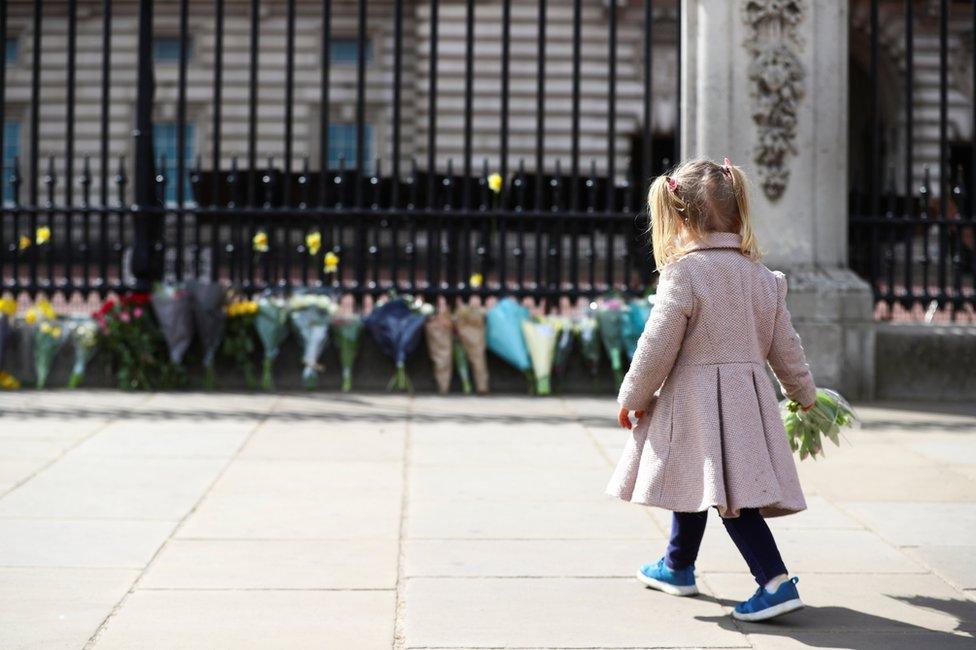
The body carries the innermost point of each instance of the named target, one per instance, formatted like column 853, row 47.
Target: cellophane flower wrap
column 564, row 347
column 637, row 313
column 469, row 323
column 829, row 415
column 271, row 323
column 310, row 315
column 208, row 317
column 49, row 336
column 397, row 326
column 588, row 334
column 174, row 311
column 347, row 330
column 238, row 343
column 8, row 307
column 610, row 316
column 439, row 333
column 461, row 365
column 503, row 330
column 84, row 343
column 541, row 334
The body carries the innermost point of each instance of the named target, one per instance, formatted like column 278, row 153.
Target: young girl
column 708, row 431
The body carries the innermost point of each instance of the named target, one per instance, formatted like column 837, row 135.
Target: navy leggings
column 749, row 532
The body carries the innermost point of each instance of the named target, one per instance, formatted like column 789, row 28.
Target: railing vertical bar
column 3, row 171
column 432, row 145
column 677, row 90
column 35, row 136
column 252, row 109
column 540, row 108
column 611, row 109
column 181, row 170
column 218, row 76
column 468, row 101
column 502, row 198
column 875, row 160
column 395, row 126
column 362, row 225
column 575, row 128
column 943, row 141
column 909, row 206
column 647, row 157
column 289, row 100
column 69, row 144
column 326, row 57
column 104, row 171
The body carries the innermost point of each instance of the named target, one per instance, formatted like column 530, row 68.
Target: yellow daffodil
column 476, row 280
column 45, row 327
column 8, row 306
column 313, row 241
column 30, row 317
column 55, row 332
column 46, row 309
column 8, row 381
column 24, row 242
column 331, row 262
column 43, row 235
column 495, row 183
column 260, row 241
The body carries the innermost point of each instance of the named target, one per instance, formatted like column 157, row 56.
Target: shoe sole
column 674, row 590
column 770, row 612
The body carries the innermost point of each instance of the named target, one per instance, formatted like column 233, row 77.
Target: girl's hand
column 624, row 418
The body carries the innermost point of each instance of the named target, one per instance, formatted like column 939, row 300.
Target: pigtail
column 666, row 207
column 740, row 190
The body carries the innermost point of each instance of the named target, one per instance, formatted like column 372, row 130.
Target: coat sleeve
column 658, row 345
column 786, row 353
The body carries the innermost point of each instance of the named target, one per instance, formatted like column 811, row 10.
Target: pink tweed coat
column 712, row 434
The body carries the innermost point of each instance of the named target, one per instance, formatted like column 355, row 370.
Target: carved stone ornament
column 776, row 76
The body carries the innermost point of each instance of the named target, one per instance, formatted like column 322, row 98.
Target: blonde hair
column 700, row 197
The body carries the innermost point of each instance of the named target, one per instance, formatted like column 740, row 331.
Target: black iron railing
column 912, row 217
column 412, row 221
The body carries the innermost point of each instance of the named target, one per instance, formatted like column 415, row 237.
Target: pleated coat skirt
column 711, row 434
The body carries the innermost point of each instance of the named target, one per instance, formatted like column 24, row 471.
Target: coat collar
column 717, row 240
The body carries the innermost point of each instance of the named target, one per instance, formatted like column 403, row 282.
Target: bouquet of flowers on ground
column 310, row 314
column 238, row 343
column 503, row 326
column 638, row 311
column 610, row 316
column 208, row 316
column 84, row 341
column 48, row 339
column 174, row 312
column 469, row 322
column 461, row 364
column 397, row 325
column 133, row 344
column 588, row 332
column 439, row 332
column 830, row 412
column 541, row 335
column 564, row 347
column 271, row 323
column 8, row 307
column 346, row 331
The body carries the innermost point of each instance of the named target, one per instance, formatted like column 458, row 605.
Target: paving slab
column 43, row 608
column 958, row 449
column 574, row 452
column 507, row 519
column 861, row 602
column 785, row 638
column 88, row 543
column 332, row 480
column 529, row 558
column 555, row 613
column 509, row 482
column 956, row 564
column 166, row 439
column 274, row 564
column 14, row 471
column 342, row 443
column 880, row 482
column 119, row 488
column 819, row 515
column 907, row 523
column 241, row 620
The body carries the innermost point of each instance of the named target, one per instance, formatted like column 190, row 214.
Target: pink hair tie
column 672, row 184
column 727, row 167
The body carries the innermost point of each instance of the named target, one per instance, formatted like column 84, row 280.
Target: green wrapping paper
column 271, row 323
column 347, row 330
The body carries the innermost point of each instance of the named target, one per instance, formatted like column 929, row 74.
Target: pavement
column 373, row 521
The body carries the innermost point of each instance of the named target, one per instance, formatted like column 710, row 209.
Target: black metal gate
column 534, row 207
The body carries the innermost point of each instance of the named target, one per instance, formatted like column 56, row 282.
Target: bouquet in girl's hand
column 346, row 331
column 84, row 341
column 310, row 315
column 175, row 315
column 271, row 323
column 397, row 326
column 48, row 339
column 805, row 429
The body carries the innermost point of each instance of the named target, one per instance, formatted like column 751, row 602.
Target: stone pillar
column 764, row 82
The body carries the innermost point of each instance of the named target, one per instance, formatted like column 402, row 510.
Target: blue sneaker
column 677, row 583
column 765, row 605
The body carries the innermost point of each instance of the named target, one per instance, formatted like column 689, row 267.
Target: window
column 166, row 49
column 346, row 50
column 11, row 149
column 13, row 50
column 164, row 141
column 342, row 143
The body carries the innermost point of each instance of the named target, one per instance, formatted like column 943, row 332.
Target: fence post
column 146, row 264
